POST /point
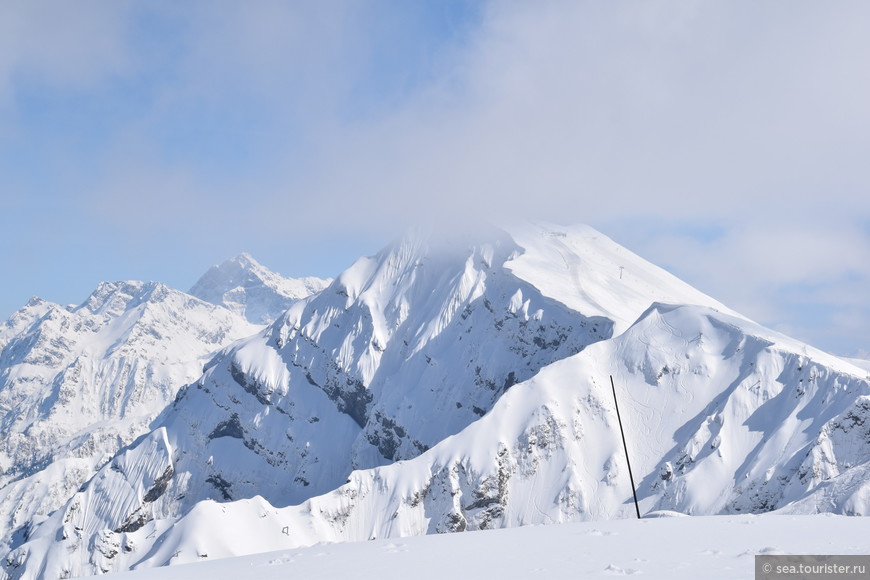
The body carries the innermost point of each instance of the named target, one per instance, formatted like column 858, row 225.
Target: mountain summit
column 464, row 384
column 251, row 290
column 77, row 383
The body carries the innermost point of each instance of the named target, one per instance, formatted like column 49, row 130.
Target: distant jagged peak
column 242, row 270
column 34, row 308
column 34, row 301
column 113, row 298
column 248, row 288
column 245, row 260
column 35, row 304
column 244, row 267
column 23, row 318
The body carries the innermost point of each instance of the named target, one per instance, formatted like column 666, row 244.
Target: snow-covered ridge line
column 593, row 274
column 551, row 454
column 252, row 291
column 464, row 386
column 77, row 383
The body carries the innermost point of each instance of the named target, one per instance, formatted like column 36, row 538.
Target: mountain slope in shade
column 743, row 433
column 289, row 413
column 251, row 290
column 356, row 404
column 78, row 383
column 755, row 422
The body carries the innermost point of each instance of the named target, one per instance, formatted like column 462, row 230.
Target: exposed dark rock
column 250, row 385
column 232, row 427
column 222, row 485
column 133, row 522
column 160, row 485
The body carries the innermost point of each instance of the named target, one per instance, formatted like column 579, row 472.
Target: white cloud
column 601, row 111
column 62, row 43
column 810, row 279
column 642, row 118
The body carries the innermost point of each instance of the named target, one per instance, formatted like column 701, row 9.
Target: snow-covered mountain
column 462, row 385
column 79, row 383
column 251, row 290
column 862, row 360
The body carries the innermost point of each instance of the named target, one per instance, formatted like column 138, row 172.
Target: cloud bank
column 725, row 140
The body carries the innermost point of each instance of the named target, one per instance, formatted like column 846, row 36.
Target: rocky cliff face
column 462, row 386
column 79, row 383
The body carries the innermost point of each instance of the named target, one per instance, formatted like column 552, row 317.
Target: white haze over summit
column 726, row 141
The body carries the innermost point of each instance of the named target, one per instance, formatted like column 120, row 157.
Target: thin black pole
column 624, row 446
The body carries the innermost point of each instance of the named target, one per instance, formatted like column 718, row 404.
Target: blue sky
column 726, row 141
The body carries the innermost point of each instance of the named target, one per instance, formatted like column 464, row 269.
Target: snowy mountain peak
column 112, row 298
column 591, row 273
column 248, row 288
column 35, row 308
column 245, row 260
column 34, row 301
column 449, row 383
column 77, row 383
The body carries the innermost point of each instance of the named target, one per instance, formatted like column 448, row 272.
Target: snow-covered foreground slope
column 675, row 548
column 438, row 388
column 251, row 290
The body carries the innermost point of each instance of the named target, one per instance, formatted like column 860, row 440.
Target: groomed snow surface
column 707, row 547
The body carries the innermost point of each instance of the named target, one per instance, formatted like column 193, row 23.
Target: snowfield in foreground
column 670, row 547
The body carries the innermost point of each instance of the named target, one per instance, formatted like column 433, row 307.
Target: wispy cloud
column 61, row 44
column 727, row 140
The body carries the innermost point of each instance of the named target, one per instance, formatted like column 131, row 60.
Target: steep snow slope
column 860, row 362
column 402, row 350
column 754, row 422
column 76, row 384
column 244, row 286
column 22, row 319
column 465, row 387
column 590, row 273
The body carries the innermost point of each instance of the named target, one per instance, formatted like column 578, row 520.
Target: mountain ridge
column 355, row 414
column 246, row 287
column 77, row 383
